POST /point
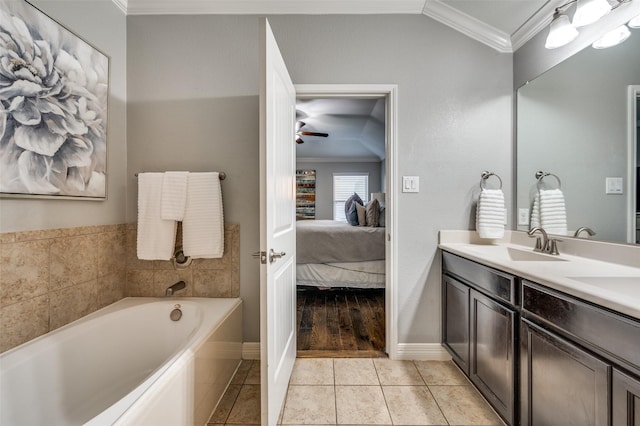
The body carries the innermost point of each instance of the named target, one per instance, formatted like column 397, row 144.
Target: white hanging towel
column 203, row 224
column 174, row 195
column 490, row 213
column 156, row 236
column 549, row 211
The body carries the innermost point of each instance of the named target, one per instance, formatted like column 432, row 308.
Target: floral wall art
column 53, row 108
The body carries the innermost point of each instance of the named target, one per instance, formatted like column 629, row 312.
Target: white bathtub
column 126, row 364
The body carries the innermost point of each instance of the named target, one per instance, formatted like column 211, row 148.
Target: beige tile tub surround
column 204, row 277
column 49, row 278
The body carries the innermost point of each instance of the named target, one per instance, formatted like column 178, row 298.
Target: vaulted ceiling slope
column 504, row 25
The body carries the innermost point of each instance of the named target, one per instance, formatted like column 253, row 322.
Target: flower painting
column 53, row 108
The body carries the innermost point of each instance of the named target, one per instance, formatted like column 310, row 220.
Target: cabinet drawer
column 611, row 335
column 495, row 283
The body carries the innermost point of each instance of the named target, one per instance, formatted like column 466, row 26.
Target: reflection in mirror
column 575, row 121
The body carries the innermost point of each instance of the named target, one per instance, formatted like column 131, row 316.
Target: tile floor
column 359, row 391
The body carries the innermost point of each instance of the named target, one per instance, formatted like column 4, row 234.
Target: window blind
column 344, row 185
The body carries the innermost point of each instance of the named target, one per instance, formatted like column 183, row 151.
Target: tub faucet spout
column 175, row 287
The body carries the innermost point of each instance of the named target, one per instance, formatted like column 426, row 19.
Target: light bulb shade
column 589, row 11
column 561, row 31
column 612, row 38
column 634, row 22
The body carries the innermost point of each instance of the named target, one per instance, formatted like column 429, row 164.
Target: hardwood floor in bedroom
column 341, row 323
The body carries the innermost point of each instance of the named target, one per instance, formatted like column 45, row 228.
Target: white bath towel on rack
column 156, row 236
column 490, row 213
column 549, row 211
column 203, row 224
column 174, row 195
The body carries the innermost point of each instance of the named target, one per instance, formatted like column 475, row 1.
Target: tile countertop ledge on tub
column 605, row 274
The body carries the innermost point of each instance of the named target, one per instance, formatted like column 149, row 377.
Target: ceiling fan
column 299, row 132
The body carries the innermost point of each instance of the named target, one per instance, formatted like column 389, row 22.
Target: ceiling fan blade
column 324, row 135
column 299, row 141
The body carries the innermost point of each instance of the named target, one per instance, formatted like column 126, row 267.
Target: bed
column 336, row 254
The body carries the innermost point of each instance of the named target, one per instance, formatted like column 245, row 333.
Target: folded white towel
column 203, row 224
column 174, row 195
column 549, row 211
column 490, row 213
column 156, row 236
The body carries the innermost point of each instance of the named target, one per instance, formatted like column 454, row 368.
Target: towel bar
column 486, row 175
column 221, row 175
column 540, row 175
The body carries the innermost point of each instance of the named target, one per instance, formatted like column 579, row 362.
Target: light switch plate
column 410, row 184
column 613, row 185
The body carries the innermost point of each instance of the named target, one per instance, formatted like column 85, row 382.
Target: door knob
column 273, row 256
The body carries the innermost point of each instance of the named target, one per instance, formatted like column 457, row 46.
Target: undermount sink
column 514, row 254
column 613, row 283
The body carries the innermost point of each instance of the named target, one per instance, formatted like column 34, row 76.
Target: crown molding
column 468, row 25
column 121, row 4
column 270, row 7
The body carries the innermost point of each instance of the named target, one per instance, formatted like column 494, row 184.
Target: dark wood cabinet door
column 561, row 384
column 625, row 398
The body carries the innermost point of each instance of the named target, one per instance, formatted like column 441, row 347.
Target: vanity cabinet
column 492, row 347
column 455, row 322
column 573, row 354
column 561, row 384
column 479, row 328
column 625, row 408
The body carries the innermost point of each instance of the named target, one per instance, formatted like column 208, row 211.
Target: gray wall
column 102, row 24
column 193, row 104
column 324, row 182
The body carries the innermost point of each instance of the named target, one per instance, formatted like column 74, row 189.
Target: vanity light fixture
column 612, row 38
column 589, row 11
column 562, row 32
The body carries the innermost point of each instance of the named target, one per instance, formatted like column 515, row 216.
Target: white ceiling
column 504, row 25
column 356, row 129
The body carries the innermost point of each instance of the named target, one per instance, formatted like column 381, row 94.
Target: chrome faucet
column 541, row 246
column 586, row 229
column 175, row 287
column 547, row 245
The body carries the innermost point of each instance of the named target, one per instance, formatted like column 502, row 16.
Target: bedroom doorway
column 345, row 138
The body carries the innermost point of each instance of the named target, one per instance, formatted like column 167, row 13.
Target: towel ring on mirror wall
column 486, row 175
column 540, row 175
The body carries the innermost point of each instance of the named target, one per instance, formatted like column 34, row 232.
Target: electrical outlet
column 523, row 216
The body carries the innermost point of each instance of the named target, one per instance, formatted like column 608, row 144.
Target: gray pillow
column 352, row 214
column 372, row 212
column 362, row 214
column 382, row 216
column 355, row 198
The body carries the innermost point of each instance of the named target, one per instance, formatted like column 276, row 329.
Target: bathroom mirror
column 574, row 121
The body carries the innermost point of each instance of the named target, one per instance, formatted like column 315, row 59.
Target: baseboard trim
column 421, row 352
column 404, row 351
column 251, row 350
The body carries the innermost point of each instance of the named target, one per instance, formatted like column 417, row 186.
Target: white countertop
column 612, row 285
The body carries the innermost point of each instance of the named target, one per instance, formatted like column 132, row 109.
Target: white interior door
column 277, row 226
